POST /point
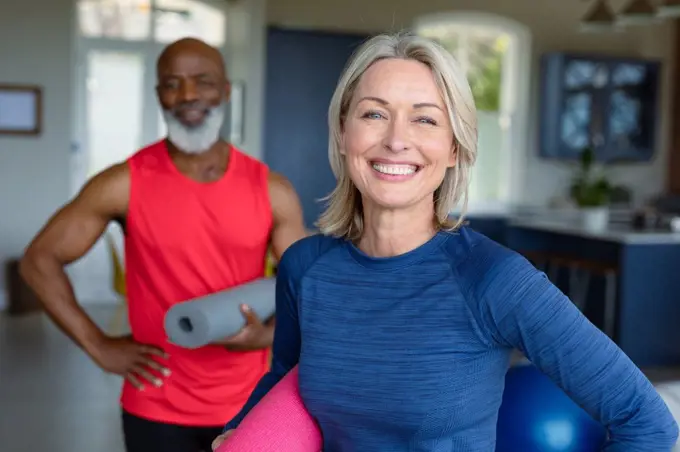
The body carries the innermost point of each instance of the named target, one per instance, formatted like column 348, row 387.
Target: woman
column 401, row 319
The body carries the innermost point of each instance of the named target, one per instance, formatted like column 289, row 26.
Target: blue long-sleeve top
column 409, row 353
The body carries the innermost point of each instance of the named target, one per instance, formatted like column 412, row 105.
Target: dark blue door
column 303, row 69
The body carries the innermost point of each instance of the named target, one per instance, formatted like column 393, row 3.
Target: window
column 134, row 20
column 116, row 19
column 494, row 52
column 175, row 19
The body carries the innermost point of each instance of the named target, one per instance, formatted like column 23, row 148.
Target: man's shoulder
column 277, row 181
column 283, row 197
column 107, row 192
column 301, row 255
column 113, row 178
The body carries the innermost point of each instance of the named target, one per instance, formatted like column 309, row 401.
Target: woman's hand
column 220, row 439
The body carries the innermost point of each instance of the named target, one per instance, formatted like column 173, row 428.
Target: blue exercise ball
column 536, row 415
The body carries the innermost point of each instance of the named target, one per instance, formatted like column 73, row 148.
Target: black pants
column 142, row 435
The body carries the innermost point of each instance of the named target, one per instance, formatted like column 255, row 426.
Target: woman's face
column 397, row 139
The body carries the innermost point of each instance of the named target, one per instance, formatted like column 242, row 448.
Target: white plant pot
column 595, row 218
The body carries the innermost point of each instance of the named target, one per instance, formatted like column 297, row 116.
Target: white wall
column 35, row 48
column 246, row 40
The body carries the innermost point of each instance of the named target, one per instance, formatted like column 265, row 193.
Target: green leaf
column 585, row 191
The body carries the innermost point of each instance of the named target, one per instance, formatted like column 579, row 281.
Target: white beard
column 195, row 140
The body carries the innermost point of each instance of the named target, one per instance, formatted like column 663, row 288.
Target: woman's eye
column 426, row 120
column 372, row 115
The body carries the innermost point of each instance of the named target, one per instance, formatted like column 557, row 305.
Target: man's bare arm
column 68, row 235
column 289, row 224
column 288, row 229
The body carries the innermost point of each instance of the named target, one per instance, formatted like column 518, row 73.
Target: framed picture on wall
column 236, row 130
column 20, row 109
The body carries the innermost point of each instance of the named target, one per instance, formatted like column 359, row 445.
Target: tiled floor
column 53, row 398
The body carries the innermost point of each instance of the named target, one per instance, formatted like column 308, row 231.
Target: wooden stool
column 581, row 272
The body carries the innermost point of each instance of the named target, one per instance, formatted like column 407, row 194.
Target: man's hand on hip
column 132, row 360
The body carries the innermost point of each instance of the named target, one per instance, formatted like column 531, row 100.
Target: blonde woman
column 401, row 319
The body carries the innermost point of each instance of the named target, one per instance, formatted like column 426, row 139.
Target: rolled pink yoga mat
column 278, row 423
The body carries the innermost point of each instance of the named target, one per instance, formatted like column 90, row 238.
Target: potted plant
column 591, row 192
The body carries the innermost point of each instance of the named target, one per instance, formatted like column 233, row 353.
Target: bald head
column 190, row 48
column 192, row 86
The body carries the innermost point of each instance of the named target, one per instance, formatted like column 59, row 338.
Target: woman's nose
column 397, row 138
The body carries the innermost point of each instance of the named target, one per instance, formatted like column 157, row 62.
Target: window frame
column 515, row 99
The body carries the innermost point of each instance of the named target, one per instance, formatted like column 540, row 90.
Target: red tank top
column 185, row 239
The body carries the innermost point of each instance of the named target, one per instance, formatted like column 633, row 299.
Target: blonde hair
column 343, row 216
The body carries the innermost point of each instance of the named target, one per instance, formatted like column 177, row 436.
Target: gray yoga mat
column 201, row 321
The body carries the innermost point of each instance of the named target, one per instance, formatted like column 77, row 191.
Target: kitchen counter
column 619, row 233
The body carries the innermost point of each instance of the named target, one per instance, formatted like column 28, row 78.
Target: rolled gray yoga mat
column 201, row 321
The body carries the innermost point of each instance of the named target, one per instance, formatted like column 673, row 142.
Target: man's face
column 190, row 85
column 193, row 91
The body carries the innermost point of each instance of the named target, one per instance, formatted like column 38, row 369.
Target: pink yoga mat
column 278, row 423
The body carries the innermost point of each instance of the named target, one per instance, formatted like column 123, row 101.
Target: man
column 199, row 216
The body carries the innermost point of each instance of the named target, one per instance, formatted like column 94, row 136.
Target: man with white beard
column 199, row 217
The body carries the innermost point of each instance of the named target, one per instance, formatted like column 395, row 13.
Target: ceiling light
column 599, row 18
column 638, row 12
column 668, row 8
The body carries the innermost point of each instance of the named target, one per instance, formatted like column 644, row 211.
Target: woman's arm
column 286, row 347
column 521, row 308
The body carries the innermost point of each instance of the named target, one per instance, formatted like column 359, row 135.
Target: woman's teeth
column 396, row 170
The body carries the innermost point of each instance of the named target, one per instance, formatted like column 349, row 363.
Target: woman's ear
column 453, row 157
column 341, row 141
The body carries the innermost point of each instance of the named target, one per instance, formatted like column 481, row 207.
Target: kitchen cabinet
column 610, row 104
